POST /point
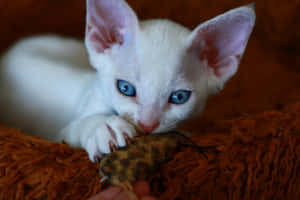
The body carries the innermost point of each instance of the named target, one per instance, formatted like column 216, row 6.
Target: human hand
column 141, row 192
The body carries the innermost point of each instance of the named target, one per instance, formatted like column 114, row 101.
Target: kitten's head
column 157, row 73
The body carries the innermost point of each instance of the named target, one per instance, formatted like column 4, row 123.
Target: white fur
column 48, row 87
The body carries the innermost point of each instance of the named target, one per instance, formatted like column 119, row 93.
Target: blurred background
column 268, row 77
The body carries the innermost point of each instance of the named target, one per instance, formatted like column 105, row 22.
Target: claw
column 98, row 156
column 112, row 132
column 112, row 146
column 127, row 138
column 97, row 159
column 104, row 178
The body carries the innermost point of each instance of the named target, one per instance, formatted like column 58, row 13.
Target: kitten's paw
column 106, row 136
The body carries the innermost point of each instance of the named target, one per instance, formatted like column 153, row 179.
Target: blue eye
column 126, row 88
column 180, row 97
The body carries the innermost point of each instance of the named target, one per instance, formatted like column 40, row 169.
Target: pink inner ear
column 103, row 39
column 221, row 41
column 218, row 49
column 109, row 22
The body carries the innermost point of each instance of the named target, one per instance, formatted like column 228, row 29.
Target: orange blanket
column 256, row 157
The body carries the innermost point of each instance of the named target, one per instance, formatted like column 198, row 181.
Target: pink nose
column 148, row 128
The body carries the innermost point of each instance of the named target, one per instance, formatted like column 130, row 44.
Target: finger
column 123, row 196
column 126, row 195
column 141, row 188
column 108, row 194
column 148, row 198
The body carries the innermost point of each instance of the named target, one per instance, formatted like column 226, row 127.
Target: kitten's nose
column 148, row 128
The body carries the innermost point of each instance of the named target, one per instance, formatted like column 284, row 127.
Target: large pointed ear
column 220, row 43
column 109, row 22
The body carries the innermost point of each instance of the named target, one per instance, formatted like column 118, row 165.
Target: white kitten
column 147, row 76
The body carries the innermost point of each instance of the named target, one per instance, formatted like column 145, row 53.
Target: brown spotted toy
column 141, row 158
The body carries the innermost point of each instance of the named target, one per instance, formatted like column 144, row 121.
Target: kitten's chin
column 163, row 130
column 157, row 131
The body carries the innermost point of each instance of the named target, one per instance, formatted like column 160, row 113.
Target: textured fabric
column 256, row 157
column 33, row 168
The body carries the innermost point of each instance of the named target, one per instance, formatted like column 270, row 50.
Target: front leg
column 98, row 134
